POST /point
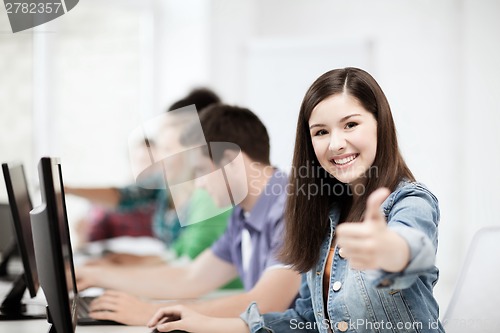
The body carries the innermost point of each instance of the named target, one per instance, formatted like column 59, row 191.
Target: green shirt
column 198, row 236
column 199, row 233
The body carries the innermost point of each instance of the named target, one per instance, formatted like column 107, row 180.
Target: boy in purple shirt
column 264, row 228
column 246, row 249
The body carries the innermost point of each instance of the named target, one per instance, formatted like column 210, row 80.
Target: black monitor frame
column 20, row 204
column 9, row 250
column 53, row 249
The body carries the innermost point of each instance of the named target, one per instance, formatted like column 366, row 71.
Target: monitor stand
column 52, row 328
column 12, row 308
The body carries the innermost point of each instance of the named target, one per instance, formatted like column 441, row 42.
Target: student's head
column 140, row 154
column 239, row 126
column 201, row 97
column 346, row 138
column 174, row 123
column 228, row 130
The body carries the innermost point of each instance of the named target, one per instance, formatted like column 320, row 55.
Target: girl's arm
column 179, row 317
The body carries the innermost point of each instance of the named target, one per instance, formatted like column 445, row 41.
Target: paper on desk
column 141, row 246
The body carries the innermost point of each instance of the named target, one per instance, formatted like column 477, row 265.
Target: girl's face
column 344, row 137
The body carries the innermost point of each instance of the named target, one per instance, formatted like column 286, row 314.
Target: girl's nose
column 337, row 142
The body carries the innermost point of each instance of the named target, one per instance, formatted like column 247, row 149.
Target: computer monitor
column 53, row 249
column 8, row 244
column 20, row 206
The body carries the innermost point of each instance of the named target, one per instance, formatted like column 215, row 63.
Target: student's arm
column 105, row 196
column 191, row 321
column 206, row 273
column 129, row 196
column 274, row 292
column 297, row 319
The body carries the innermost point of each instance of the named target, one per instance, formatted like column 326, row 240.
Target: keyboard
column 83, row 313
column 84, row 306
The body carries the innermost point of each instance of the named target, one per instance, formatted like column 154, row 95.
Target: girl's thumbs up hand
column 375, row 200
column 370, row 244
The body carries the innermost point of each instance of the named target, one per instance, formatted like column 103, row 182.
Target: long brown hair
column 306, row 213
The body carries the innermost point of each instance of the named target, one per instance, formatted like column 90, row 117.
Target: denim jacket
column 374, row 300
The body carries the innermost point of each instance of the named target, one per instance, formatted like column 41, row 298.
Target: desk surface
column 41, row 326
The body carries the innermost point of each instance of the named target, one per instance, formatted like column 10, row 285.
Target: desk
column 41, row 326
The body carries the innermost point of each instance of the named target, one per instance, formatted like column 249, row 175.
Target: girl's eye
column 320, row 132
column 351, row 125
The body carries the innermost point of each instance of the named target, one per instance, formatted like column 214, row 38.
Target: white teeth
column 345, row 160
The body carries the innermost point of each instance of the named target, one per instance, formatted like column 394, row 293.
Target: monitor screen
column 12, row 307
column 53, row 248
column 20, row 206
column 6, row 230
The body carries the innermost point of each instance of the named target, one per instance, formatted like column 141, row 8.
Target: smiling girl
column 367, row 251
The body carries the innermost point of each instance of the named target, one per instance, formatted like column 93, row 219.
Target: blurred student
column 131, row 200
column 247, row 249
column 102, row 223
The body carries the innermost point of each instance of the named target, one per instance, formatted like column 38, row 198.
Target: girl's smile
column 344, row 161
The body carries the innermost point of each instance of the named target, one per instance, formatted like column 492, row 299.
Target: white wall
column 182, row 42
column 479, row 139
